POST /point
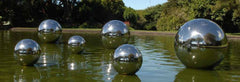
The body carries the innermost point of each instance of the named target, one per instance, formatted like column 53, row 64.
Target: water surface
column 95, row 64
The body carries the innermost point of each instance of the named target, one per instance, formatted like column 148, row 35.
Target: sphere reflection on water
column 127, row 59
column 49, row 30
column 200, row 43
column 27, row 52
column 126, row 78
column 114, row 33
column 75, row 62
column 51, row 55
column 76, row 44
column 193, row 75
column 26, row 74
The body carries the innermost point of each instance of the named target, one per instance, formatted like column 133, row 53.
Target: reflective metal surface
column 127, row 59
column 200, row 43
column 205, row 58
column 115, row 28
column 76, row 44
column 49, row 30
column 49, row 37
column 27, row 52
column 49, row 26
column 112, row 42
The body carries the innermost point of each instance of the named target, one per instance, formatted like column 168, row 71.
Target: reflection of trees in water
column 231, row 60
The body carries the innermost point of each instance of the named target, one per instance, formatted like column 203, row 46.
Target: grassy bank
column 98, row 30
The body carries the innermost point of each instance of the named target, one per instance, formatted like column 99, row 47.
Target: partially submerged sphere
column 200, row 43
column 115, row 28
column 49, row 30
column 114, row 33
column 76, row 44
column 27, row 52
column 127, row 59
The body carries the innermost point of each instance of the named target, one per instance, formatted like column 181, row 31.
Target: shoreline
column 133, row 32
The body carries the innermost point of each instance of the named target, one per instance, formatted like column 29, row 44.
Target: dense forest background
column 95, row 13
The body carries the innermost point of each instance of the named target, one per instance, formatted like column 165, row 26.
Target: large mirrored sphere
column 76, row 44
column 49, row 30
column 27, row 52
column 200, row 43
column 112, row 42
column 127, row 59
column 115, row 28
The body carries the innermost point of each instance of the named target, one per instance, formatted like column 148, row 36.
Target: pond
column 95, row 64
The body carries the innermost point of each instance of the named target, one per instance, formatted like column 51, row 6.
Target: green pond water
column 160, row 64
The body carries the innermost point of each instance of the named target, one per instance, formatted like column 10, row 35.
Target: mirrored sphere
column 49, row 37
column 27, row 52
column 115, row 28
column 76, row 44
column 49, row 26
column 200, row 43
column 49, row 30
column 127, row 59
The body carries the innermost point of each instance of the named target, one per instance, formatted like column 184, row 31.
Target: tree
column 130, row 15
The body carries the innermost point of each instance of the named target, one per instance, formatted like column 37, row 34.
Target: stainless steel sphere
column 127, row 59
column 76, row 44
column 115, row 28
column 27, row 52
column 49, row 26
column 112, row 42
column 49, row 30
column 200, row 43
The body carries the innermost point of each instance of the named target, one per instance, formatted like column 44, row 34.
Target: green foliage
column 175, row 13
column 130, row 15
column 68, row 12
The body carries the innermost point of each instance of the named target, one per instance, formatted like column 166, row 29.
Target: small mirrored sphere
column 200, row 43
column 27, row 52
column 76, row 44
column 49, row 30
column 127, row 59
column 115, row 28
